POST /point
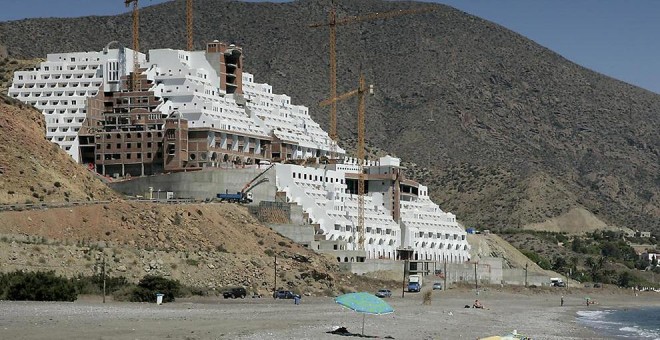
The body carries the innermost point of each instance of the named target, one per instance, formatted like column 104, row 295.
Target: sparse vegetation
column 36, row 286
column 150, row 285
column 541, row 261
column 426, row 298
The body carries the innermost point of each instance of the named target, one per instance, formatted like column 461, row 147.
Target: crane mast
column 189, row 24
column 136, row 42
column 361, row 92
column 362, row 88
column 333, row 81
column 332, row 24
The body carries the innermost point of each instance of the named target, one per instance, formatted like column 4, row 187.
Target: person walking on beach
column 562, row 301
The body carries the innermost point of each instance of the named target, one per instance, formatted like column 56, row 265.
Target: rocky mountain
column 506, row 132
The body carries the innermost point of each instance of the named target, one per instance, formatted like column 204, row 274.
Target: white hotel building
column 227, row 115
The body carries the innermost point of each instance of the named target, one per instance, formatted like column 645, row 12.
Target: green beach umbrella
column 365, row 303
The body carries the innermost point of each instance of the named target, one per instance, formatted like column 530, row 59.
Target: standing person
column 562, row 301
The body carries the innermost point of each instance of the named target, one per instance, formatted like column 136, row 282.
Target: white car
column 383, row 293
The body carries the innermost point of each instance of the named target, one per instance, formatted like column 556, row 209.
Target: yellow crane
column 361, row 91
column 189, row 24
column 332, row 24
column 136, row 41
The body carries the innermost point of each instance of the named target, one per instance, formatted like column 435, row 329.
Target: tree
column 151, row 285
column 36, row 286
column 624, row 280
column 559, row 264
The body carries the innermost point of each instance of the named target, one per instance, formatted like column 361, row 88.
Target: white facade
column 60, row 86
column 434, row 234
column 188, row 84
column 323, row 196
column 185, row 81
column 431, row 233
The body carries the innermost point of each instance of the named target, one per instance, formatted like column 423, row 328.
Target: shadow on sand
column 344, row 332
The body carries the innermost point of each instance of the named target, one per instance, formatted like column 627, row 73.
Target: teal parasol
column 365, row 303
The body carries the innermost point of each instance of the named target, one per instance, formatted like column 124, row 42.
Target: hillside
column 33, row 169
column 203, row 245
column 506, row 132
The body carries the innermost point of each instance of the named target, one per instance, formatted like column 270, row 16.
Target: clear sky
column 613, row 37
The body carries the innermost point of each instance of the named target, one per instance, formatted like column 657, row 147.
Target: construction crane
column 136, row 41
column 332, row 23
column 189, row 24
column 361, row 91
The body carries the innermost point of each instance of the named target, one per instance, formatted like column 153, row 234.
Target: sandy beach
column 538, row 315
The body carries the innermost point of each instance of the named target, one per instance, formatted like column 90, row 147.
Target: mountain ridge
column 468, row 105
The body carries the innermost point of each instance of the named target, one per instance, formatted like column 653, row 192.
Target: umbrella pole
column 363, row 315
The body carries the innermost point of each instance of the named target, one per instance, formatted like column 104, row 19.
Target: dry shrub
column 427, row 298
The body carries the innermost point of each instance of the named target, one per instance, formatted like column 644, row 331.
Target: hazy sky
column 613, row 37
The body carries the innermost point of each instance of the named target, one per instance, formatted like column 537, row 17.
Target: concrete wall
column 303, row 234
column 490, row 270
column 297, row 214
column 517, row 277
column 373, row 265
column 202, row 184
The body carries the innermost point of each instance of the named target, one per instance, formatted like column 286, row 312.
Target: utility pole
column 103, row 273
column 476, row 282
column 403, row 284
column 275, row 285
column 526, row 264
column 444, row 286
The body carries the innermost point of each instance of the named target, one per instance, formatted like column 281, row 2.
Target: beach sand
column 537, row 315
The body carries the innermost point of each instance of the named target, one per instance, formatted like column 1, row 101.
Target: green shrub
column 538, row 259
column 36, row 286
column 151, row 285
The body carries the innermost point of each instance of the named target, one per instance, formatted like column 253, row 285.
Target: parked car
column 236, row 292
column 437, row 286
column 384, row 293
column 283, row 294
